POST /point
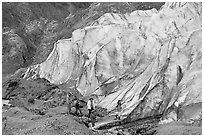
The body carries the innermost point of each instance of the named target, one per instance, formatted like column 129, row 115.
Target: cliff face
column 150, row 60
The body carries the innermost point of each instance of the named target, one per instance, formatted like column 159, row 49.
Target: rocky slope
column 18, row 121
column 151, row 60
column 28, row 30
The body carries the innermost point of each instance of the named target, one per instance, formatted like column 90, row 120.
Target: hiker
column 93, row 118
column 178, row 109
column 86, row 57
column 90, row 106
column 118, row 109
column 77, row 106
column 69, row 102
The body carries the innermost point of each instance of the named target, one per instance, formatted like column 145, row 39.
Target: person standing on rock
column 90, row 106
column 118, row 109
column 77, row 106
column 93, row 119
column 69, row 102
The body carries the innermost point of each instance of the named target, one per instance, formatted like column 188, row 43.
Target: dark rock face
column 17, row 14
column 17, row 52
column 31, row 29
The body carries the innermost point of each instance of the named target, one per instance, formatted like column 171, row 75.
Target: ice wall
column 148, row 59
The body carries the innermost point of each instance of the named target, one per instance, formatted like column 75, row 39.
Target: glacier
column 150, row 60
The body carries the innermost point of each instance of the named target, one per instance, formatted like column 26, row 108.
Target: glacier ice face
column 133, row 58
